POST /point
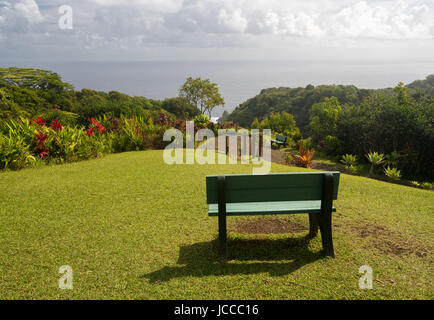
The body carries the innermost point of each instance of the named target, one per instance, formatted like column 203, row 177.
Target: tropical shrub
column 427, row 185
column 392, row 173
column 201, row 121
column 375, row 159
column 303, row 158
column 15, row 152
column 354, row 169
column 349, row 160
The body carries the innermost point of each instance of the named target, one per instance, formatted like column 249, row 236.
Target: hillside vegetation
column 396, row 123
column 33, row 92
column 299, row 101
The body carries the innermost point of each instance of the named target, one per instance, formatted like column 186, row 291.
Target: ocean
column 237, row 80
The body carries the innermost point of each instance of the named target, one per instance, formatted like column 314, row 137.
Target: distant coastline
column 237, row 80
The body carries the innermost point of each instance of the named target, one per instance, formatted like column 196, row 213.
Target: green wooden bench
column 279, row 193
column 280, row 140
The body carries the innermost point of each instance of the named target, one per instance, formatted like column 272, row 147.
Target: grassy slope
column 132, row 227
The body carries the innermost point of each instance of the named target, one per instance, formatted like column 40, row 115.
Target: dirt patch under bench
column 267, row 226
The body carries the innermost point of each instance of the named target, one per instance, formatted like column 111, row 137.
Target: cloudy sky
column 218, row 29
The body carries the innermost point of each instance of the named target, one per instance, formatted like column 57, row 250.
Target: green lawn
column 132, row 227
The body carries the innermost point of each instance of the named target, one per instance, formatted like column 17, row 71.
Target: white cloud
column 29, row 10
column 370, row 21
column 143, row 24
column 17, row 15
column 234, row 22
column 163, row 6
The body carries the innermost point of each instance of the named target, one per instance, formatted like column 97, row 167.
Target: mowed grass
column 132, row 227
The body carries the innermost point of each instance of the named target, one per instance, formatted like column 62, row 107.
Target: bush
column 349, row 160
column 354, row 169
column 64, row 117
column 392, row 173
column 180, row 107
column 375, row 159
column 201, row 121
column 427, row 185
column 332, row 145
column 14, row 152
column 303, row 158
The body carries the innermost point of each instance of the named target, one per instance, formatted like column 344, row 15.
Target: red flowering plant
column 56, row 126
column 38, row 121
column 95, row 127
column 164, row 120
column 41, row 147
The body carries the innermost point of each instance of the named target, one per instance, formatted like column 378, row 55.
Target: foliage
column 296, row 101
column 33, row 92
column 375, row 159
column 347, row 120
column 392, row 173
column 280, row 123
column 180, row 107
column 387, row 124
column 201, row 121
column 33, row 79
column 392, row 159
column 25, row 143
column 324, row 119
column 420, row 87
column 14, row 152
column 349, row 160
column 354, row 169
column 303, row 158
column 202, row 94
column 224, row 117
column 427, row 185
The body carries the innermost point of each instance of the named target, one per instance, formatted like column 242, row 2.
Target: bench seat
column 262, row 208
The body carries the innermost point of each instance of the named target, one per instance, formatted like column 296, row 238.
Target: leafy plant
column 392, row 159
column 354, row 169
column 201, row 121
column 303, row 158
column 427, row 185
column 349, row 160
column 375, row 159
column 392, row 173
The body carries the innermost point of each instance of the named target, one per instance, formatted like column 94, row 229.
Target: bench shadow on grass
column 276, row 257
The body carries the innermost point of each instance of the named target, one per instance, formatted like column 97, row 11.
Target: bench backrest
column 280, row 138
column 291, row 186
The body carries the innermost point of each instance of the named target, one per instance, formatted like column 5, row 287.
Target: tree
column 180, row 107
column 224, row 116
column 202, row 94
column 324, row 124
column 33, row 79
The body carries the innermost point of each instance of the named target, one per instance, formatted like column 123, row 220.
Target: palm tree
column 375, row 159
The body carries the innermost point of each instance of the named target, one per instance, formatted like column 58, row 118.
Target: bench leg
column 325, row 226
column 223, row 246
column 313, row 225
